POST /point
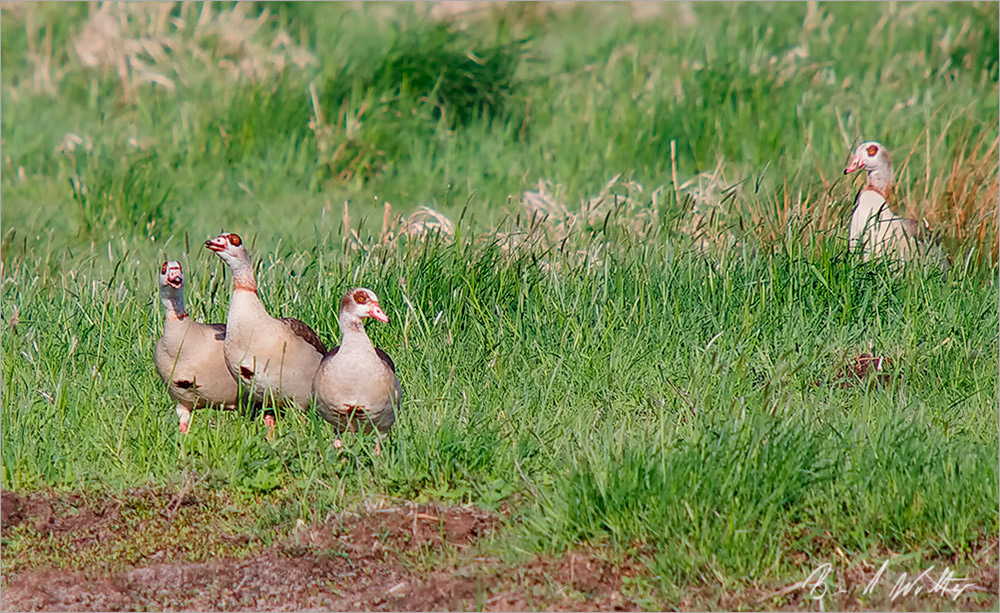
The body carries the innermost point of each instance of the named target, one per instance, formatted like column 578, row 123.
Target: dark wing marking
column 246, row 372
column 381, row 354
column 352, row 410
column 385, row 358
column 303, row 331
column 220, row 331
column 181, row 383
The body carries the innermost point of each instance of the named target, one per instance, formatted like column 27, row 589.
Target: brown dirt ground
column 357, row 561
column 161, row 551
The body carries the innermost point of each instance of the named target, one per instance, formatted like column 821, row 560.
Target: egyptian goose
column 356, row 384
column 276, row 358
column 189, row 356
column 875, row 229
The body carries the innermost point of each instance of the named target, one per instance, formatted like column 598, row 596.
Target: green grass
column 621, row 386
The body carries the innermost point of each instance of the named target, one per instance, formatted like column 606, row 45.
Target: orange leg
column 183, row 418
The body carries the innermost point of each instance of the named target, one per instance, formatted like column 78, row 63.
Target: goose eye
column 235, row 240
column 163, row 269
column 360, row 298
column 872, row 151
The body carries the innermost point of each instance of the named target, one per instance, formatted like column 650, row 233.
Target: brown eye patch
column 872, row 150
column 163, row 269
column 360, row 298
column 235, row 240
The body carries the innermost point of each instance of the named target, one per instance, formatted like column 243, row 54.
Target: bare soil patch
column 151, row 550
column 11, row 509
column 412, row 557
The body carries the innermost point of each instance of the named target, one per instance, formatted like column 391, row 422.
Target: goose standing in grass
column 189, row 356
column 356, row 385
column 875, row 230
column 276, row 358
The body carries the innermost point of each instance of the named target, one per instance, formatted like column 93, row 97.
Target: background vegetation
column 614, row 261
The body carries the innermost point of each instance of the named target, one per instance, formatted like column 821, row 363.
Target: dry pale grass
column 418, row 225
column 621, row 207
column 544, row 220
column 717, row 212
column 161, row 44
column 962, row 202
column 958, row 201
column 459, row 11
column 340, row 144
column 46, row 75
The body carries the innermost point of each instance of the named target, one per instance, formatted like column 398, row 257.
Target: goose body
column 276, row 358
column 875, row 230
column 356, row 385
column 190, row 357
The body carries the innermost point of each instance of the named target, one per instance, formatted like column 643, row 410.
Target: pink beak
column 856, row 163
column 216, row 244
column 175, row 278
column 376, row 311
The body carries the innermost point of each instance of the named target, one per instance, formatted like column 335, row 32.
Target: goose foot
column 183, row 418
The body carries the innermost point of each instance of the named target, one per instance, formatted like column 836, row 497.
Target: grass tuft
column 109, row 200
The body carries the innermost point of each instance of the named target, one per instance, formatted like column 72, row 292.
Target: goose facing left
column 875, row 229
column 276, row 357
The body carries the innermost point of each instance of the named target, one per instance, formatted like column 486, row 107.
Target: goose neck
column 173, row 304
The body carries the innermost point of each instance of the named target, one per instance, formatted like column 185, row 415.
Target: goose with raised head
column 276, row 358
column 875, row 229
column 190, row 356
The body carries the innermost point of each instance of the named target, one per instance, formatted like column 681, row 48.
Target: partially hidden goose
column 356, row 385
column 189, row 356
column 875, row 230
column 276, row 358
